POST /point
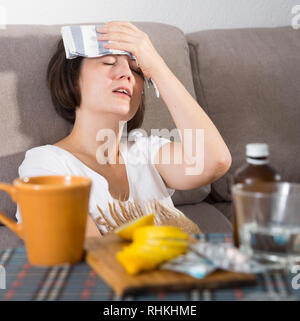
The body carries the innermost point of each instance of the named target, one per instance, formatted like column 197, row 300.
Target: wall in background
column 188, row 15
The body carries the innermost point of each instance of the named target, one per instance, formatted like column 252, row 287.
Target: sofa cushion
column 207, row 217
column 27, row 116
column 8, row 239
column 9, row 171
column 248, row 82
column 226, row 209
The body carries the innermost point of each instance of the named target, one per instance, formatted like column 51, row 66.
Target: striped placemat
column 25, row 282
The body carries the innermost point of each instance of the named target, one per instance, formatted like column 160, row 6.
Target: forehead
column 116, row 56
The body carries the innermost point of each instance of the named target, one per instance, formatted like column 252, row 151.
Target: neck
column 97, row 136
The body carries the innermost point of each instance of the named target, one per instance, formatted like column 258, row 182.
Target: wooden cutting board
column 101, row 256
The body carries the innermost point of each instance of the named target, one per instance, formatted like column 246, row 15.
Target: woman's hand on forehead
column 125, row 36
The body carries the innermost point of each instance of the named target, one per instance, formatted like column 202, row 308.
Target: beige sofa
column 248, row 81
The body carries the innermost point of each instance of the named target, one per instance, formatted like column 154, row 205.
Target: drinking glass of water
column 268, row 218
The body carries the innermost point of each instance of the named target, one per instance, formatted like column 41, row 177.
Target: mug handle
column 15, row 227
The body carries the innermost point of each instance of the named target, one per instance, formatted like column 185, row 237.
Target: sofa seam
column 197, row 76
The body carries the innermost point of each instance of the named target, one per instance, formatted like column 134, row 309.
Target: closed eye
column 139, row 71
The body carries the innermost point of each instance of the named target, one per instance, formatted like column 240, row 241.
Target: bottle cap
column 257, row 150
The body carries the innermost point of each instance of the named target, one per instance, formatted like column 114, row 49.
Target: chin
column 122, row 110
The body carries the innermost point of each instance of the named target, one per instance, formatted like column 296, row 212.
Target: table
column 25, row 282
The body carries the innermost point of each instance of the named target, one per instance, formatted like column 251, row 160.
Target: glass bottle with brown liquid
column 256, row 170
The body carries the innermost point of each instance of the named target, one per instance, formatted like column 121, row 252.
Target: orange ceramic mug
column 54, row 212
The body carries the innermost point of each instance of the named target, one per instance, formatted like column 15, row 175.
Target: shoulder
column 45, row 159
column 43, row 153
column 49, row 149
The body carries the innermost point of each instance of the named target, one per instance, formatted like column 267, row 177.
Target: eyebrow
column 115, row 56
column 110, row 55
column 101, row 57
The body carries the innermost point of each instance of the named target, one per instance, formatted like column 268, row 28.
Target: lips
column 121, row 94
column 124, row 88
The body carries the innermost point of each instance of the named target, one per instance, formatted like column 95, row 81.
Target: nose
column 123, row 69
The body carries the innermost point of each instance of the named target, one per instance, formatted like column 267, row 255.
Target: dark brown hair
column 63, row 82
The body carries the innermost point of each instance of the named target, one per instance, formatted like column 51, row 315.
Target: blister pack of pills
column 191, row 264
column 205, row 257
column 227, row 257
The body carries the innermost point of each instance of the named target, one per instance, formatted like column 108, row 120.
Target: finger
column 119, row 37
column 126, row 46
column 126, row 24
column 114, row 28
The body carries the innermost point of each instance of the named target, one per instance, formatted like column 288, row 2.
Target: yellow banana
column 162, row 252
column 159, row 232
column 152, row 246
column 126, row 230
column 180, row 244
column 135, row 263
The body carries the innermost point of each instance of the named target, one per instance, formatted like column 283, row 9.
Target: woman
column 84, row 91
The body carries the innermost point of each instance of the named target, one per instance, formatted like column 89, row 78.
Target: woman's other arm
column 215, row 158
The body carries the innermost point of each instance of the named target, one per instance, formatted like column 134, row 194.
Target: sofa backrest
column 27, row 116
column 248, row 82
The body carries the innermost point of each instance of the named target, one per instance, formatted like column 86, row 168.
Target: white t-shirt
column 145, row 182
